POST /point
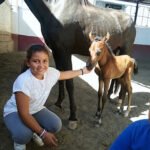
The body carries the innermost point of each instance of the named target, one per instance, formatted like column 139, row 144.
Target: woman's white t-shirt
column 37, row 90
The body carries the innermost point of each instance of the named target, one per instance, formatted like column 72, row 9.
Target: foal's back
column 117, row 66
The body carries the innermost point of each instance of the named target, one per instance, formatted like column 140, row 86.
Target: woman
column 24, row 112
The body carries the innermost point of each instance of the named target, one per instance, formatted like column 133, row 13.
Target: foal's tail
column 135, row 67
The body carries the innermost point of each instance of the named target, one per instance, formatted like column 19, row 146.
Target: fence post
column 136, row 11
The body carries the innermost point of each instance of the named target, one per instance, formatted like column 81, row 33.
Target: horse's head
column 96, row 49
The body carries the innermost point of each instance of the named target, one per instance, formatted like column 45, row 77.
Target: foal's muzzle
column 89, row 64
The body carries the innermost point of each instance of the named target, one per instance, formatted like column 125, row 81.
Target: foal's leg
column 102, row 99
column 129, row 90
column 114, row 86
column 122, row 96
column 99, row 105
column 111, row 89
column 105, row 93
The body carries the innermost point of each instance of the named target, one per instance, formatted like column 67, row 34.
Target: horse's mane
column 109, row 49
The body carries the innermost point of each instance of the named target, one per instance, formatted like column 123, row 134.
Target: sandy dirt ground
column 86, row 136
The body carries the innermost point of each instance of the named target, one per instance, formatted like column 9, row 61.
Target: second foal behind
column 109, row 66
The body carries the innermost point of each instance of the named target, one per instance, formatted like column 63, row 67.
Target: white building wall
column 24, row 22
column 5, row 17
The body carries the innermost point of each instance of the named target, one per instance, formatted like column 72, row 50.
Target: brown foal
column 109, row 66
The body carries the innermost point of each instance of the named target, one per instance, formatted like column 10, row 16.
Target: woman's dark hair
column 30, row 51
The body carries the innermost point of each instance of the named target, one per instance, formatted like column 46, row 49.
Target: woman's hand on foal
column 85, row 70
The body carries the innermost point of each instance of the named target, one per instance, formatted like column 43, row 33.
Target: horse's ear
column 91, row 36
column 106, row 37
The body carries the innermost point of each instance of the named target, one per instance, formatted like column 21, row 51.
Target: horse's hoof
column 73, row 125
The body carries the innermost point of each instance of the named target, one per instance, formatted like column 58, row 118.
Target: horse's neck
column 39, row 9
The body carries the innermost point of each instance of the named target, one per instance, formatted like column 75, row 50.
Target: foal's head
column 97, row 49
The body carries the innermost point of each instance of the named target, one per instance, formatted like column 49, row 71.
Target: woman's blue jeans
column 22, row 134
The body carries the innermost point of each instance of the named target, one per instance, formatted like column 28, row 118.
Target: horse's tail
column 135, row 67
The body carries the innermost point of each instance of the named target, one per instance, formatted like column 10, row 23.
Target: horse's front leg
column 70, row 90
column 60, row 66
column 61, row 95
column 63, row 63
column 99, row 93
column 105, row 93
column 99, row 104
column 102, row 98
column 72, row 118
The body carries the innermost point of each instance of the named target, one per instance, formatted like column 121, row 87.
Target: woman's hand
column 49, row 139
column 86, row 70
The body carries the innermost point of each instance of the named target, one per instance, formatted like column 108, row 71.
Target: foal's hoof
column 73, row 125
column 126, row 114
column 98, row 123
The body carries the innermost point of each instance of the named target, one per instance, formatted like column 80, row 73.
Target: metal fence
column 143, row 14
column 140, row 12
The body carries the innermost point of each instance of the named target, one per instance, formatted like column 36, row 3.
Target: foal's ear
column 92, row 36
column 107, row 37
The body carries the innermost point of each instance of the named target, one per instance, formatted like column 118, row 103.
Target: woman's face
column 38, row 64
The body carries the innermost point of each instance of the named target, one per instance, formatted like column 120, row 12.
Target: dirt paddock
column 86, row 136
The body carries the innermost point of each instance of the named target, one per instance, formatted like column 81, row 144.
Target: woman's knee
column 56, row 126
column 49, row 120
column 22, row 137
